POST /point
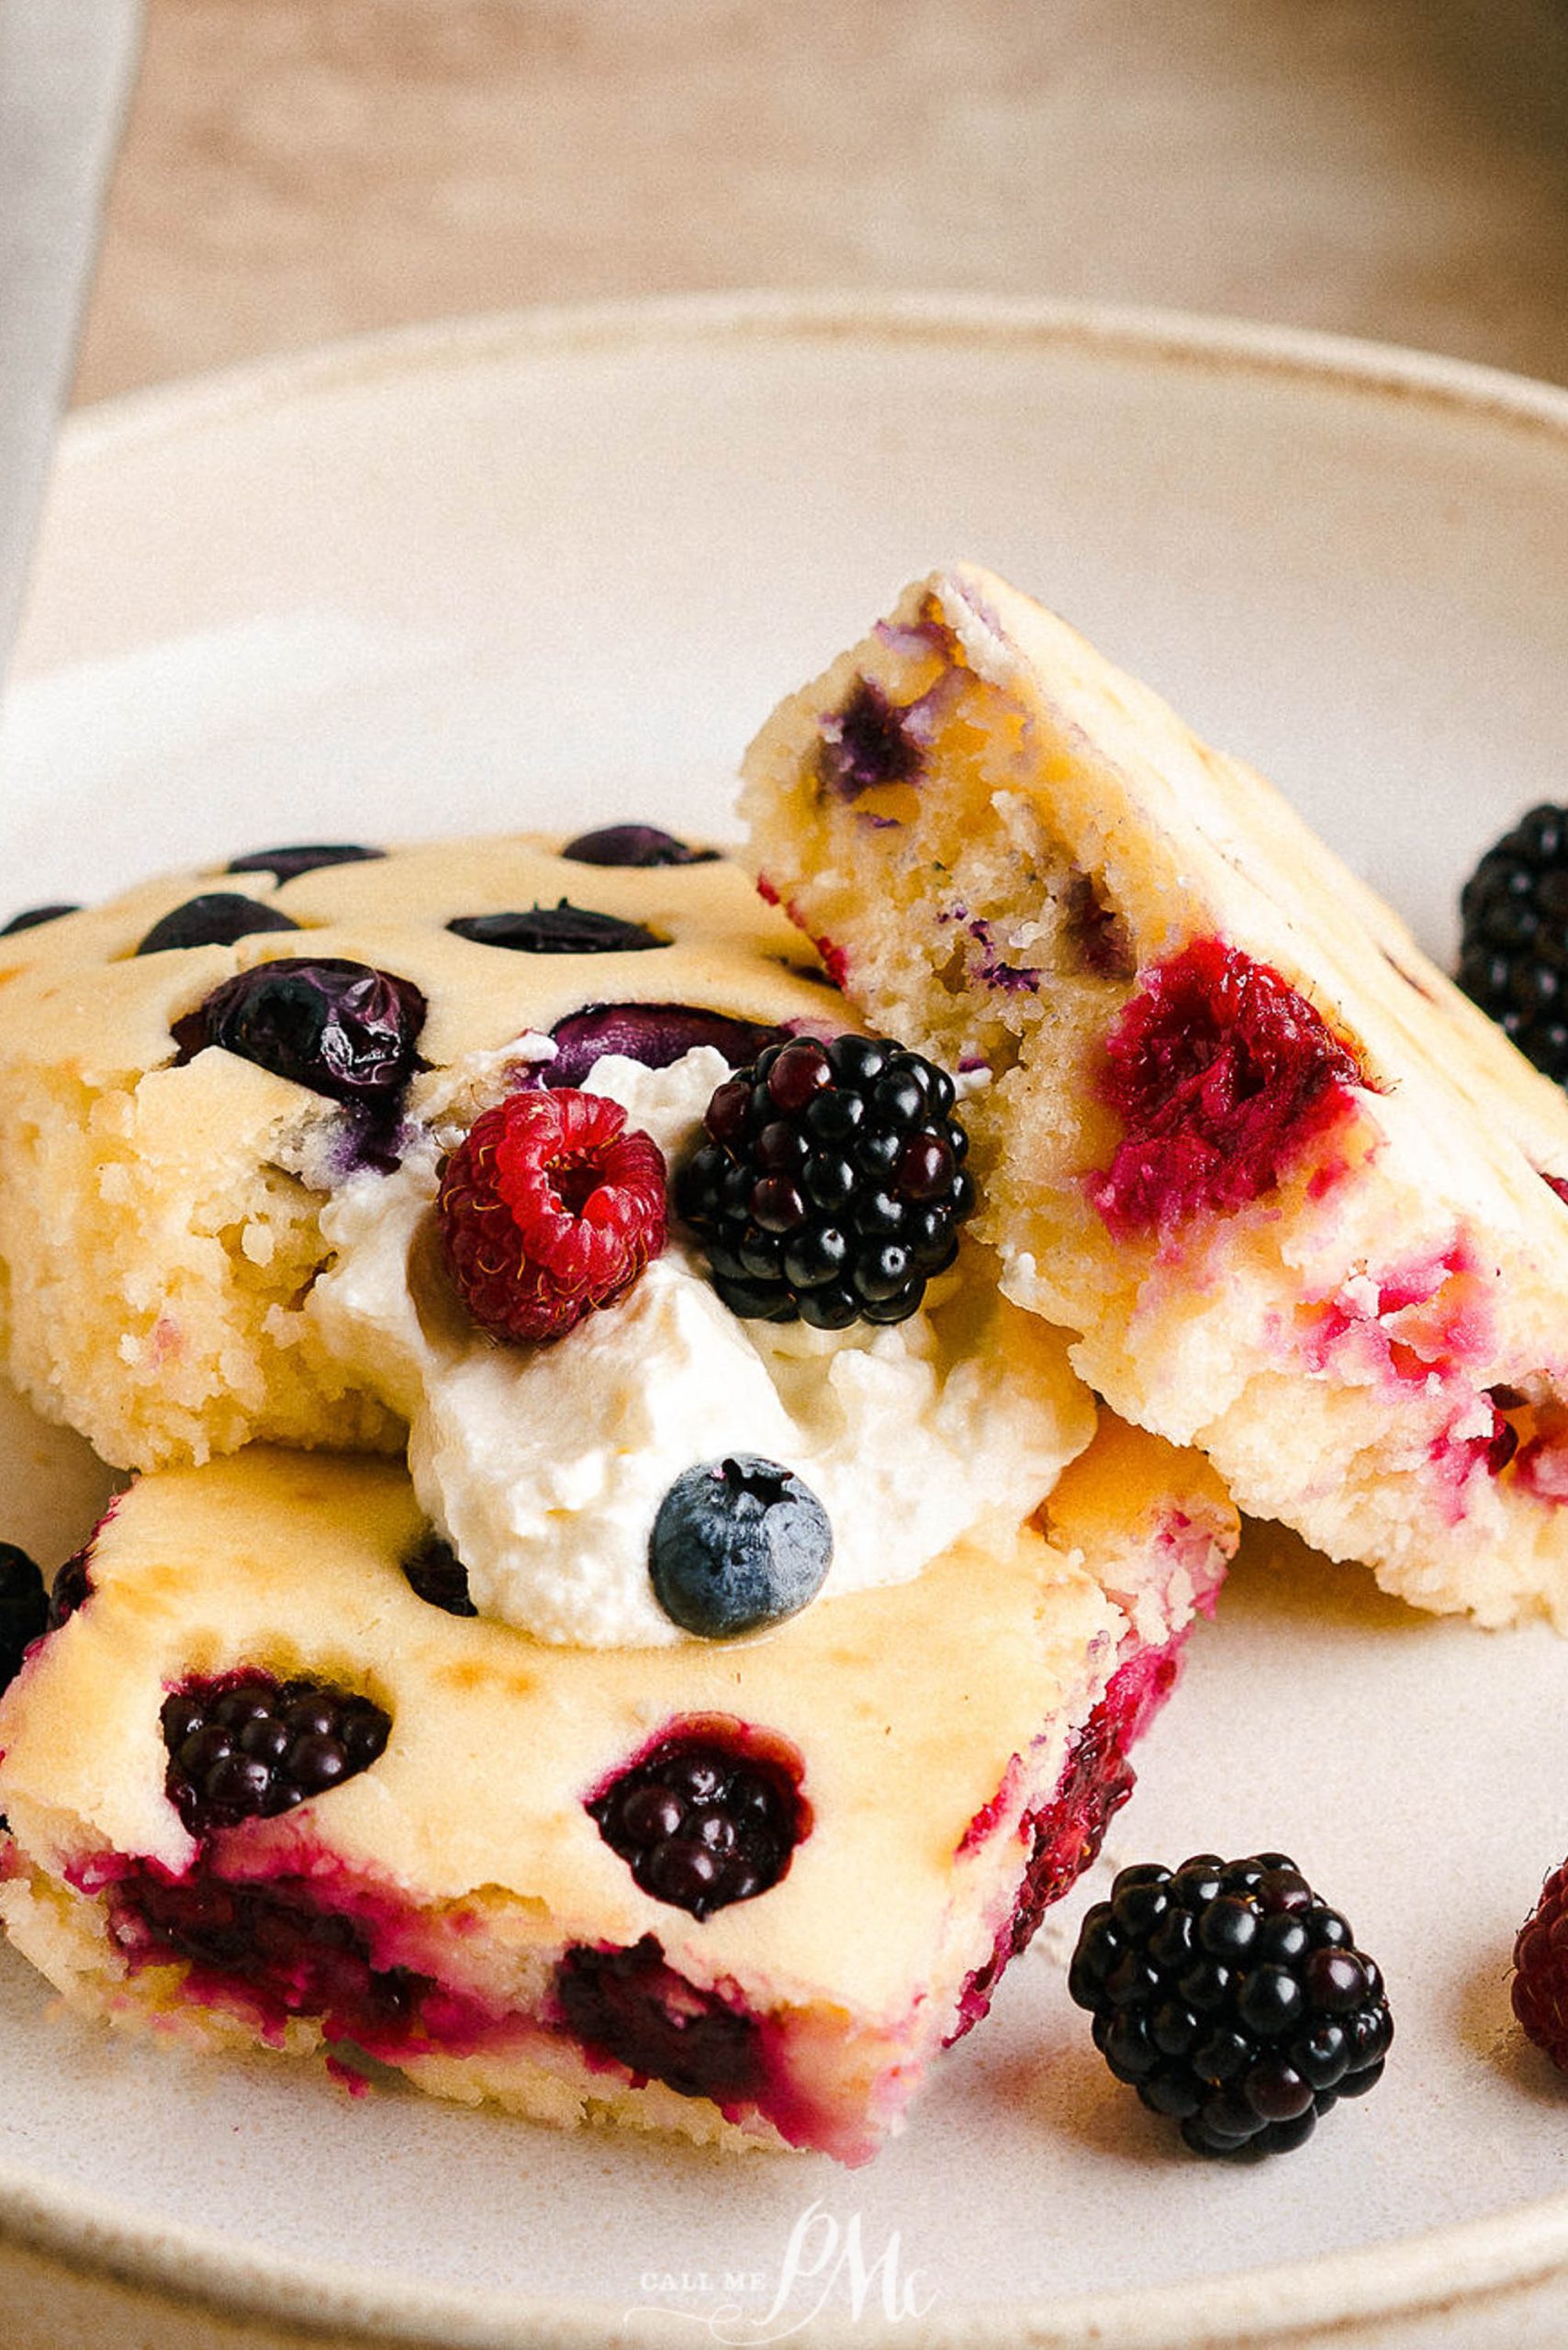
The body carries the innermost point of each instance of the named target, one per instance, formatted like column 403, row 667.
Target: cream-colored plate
column 540, row 569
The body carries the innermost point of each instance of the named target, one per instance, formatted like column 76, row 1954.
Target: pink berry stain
column 1064, row 1835
column 1223, row 1077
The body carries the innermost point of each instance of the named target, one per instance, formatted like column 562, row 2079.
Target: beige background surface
column 297, row 169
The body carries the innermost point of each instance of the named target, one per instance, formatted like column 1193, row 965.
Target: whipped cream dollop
column 544, row 1466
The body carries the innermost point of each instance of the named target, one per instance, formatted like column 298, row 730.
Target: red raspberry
column 548, row 1208
column 1540, row 1970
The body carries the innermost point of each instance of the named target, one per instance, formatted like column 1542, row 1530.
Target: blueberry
column 635, row 845
column 737, row 1543
column 71, row 1587
column 563, row 929
column 437, row 1575
column 33, row 915
column 23, row 1609
column 216, row 919
column 341, row 1028
column 654, row 1033
column 288, row 862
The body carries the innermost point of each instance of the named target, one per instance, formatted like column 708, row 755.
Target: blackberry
column 831, row 1182
column 710, row 1815
column 628, row 2005
column 24, row 1609
column 1232, row 1998
column 245, row 1746
column 1513, row 957
column 1540, row 1970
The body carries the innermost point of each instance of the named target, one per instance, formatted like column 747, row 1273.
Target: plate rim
column 1439, row 2271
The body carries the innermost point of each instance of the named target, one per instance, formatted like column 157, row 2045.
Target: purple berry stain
column 711, row 1814
column 866, row 744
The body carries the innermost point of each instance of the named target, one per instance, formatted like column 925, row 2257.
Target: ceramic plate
column 552, row 568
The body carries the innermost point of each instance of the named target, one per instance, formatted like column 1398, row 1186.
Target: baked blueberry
column 341, row 1028
column 654, row 1033
column 562, row 929
column 287, row 863
column 32, row 916
column 215, row 918
column 23, row 1609
column 637, row 844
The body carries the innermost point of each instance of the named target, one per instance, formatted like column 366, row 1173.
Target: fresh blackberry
column 1232, row 1998
column 246, row 1747
column 23, row 1609
column 709, row 1816
column 1513, row 957
column 831, row 1182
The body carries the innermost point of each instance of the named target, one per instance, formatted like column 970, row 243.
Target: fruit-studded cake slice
column 1299, row 1203
column 267, row 1780
column 191, row 1071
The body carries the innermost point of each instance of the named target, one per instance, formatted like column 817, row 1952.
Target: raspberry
column 1221, row 1074
column 1231, row 1997
column 548, row 1208
column 244, row 1747
column 832, row 1183
column 710, row 1815
column 1540, row 1970
column 1514, row 942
